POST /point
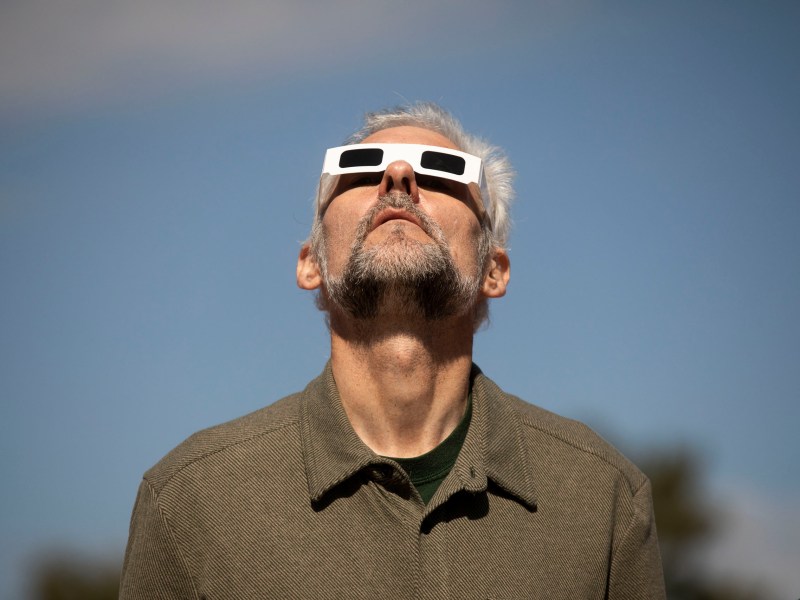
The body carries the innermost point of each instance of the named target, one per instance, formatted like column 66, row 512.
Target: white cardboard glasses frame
column 425, row 160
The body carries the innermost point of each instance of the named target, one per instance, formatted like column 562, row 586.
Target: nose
column 399, row 178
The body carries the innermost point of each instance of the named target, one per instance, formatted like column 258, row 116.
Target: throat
column 403, row 395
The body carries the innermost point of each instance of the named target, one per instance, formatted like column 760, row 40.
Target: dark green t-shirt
column 428, row 471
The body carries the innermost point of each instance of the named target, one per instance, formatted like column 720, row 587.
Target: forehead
column 407, row 134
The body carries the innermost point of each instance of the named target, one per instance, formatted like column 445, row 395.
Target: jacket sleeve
column 153, row 567
column 636, row 571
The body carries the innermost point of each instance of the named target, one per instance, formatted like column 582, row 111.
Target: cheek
column 335, row 248
column 339, row 229
column 463, row 238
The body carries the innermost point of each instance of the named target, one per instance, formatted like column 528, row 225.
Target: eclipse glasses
column 425, row 160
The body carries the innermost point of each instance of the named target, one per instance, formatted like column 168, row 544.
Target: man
column 401, row 471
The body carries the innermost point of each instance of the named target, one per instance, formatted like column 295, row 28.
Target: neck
column 403, row 382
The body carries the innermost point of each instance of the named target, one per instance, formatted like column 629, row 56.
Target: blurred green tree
column 59, row 577
column 686, row 524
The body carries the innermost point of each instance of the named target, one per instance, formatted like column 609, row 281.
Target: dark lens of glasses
column 439, row 161
column 361, row 157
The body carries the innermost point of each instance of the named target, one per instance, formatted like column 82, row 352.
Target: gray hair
column 497, row 169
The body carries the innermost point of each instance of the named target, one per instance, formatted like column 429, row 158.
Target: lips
column 391, row 214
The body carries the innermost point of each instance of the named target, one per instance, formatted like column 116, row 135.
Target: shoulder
column 567, row 445
column 275, row 420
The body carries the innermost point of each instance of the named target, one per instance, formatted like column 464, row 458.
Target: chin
column 401, row 253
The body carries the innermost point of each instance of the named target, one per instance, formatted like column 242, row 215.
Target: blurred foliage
column 60, row 577
column 685, row 521
column 686, row 524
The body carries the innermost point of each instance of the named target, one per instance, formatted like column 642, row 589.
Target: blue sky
column 157, row 165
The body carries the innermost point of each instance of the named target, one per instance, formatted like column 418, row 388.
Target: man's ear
column 497, row 275
column 308, row 273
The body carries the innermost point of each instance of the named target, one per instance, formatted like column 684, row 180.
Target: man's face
column 403, row 237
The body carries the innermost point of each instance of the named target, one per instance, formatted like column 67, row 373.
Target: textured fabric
column 287, row 502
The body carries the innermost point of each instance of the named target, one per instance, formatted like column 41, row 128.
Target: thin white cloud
column 66, row 53
column 758, row 540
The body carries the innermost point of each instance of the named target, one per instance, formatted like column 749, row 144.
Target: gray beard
column 414, row 278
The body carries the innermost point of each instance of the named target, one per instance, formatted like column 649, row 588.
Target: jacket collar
column 332, row 450
column 494, row 449
column 508, row 461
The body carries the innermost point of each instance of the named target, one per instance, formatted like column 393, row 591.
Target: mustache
column 401, row 202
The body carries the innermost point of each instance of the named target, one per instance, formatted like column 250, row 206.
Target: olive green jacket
column 287, row 502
